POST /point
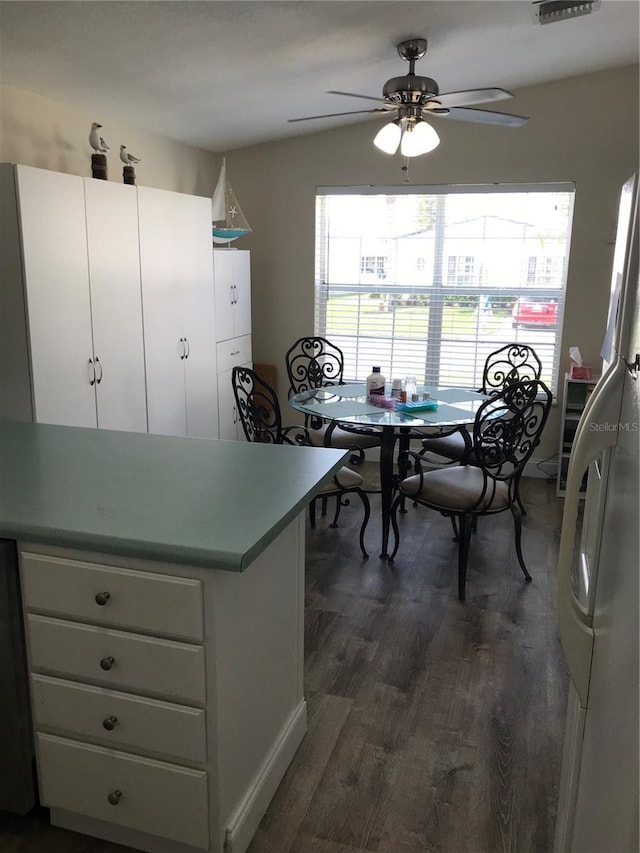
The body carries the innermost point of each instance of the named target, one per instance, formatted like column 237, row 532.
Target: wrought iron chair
column 311, row 363
column 261, row 419
column 506, row 431
column 511, row 363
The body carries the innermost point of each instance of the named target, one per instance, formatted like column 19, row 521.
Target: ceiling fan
column 412, row 98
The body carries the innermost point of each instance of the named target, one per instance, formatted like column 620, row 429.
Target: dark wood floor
column 433, row 725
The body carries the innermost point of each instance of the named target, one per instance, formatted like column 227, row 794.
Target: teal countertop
column 201, row 502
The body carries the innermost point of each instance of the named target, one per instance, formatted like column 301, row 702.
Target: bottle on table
column 375, row 383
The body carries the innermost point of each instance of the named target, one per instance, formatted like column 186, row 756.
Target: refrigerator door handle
column 574, row 621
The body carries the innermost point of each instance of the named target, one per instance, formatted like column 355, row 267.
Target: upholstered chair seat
column 458, row 489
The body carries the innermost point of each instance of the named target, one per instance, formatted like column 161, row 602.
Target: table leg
column 403, row 464
column 387, row 446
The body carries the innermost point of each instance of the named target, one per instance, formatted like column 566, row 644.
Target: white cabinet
column 164, row 728
column 116, row 306
column 232, row 281
column 107, row 311
column 177, row 292
column 231, row 353
column 232, row 287
column 83, row 313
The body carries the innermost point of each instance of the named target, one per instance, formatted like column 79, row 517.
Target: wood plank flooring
column 433, row 725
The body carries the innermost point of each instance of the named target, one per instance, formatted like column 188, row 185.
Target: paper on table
column 350, row 390
column 342, row 408
column 446, row 414
column 454, row 395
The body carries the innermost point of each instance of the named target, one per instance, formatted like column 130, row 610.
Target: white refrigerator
column 598, row 572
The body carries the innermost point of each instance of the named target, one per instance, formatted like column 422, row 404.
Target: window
column 373, row 265
column 427, row 281
column 460, row 270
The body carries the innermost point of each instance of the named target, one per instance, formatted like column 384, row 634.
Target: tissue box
column 580, row 371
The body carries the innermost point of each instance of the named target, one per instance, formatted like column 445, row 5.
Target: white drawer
column 142, row 601
column 155, row 797
column 141, row 664
column 233, row 352
column 120, row 720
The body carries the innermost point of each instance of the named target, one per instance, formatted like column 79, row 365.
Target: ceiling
column 225, row 74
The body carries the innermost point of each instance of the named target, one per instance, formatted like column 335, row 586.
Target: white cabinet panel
column 228, row 413
column 178, row 309
column 234, row 352
column 116, row 304
column 119, row 720
column 164, row 339
column 198, row 313
column 232, row 281
column 117, row 659
column 113, row 596
column 242, row 285
column 138, row 793
column 52, row 210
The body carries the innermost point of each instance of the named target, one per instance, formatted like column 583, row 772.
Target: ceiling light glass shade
column 387, row 138
column 419, row 139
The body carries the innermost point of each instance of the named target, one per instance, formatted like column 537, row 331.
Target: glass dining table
column 348, row 405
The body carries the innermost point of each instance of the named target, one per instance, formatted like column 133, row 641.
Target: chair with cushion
column 511, row 363
column 506, row 431
column 313, row 362
column 259, row 411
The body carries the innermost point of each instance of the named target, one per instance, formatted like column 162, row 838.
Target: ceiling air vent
column 550, row 11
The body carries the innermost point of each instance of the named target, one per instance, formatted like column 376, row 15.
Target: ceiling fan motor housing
column 410, row 89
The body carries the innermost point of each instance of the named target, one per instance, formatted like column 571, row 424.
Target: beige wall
column 37, row 131
column 582, row 129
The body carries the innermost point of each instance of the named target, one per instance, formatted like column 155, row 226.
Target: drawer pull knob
column 114, row 797
column 102, row 598
column 109, row 723
column 107, row 663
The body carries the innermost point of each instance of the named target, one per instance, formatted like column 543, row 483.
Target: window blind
column 427, row 281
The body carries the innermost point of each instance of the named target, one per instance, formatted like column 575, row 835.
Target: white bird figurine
column 127, row 158
column 96, row 141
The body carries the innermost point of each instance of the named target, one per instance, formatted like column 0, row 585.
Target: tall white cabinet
column 107, row 310
column 177, row 292
column 79, row 317
column 232, row 288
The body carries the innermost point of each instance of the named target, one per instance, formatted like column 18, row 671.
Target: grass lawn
column 363, row 315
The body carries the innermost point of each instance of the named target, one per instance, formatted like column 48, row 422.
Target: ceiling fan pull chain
column 405, row 169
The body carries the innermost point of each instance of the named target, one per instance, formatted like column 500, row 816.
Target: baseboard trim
column 244, row 822
column 117, row 834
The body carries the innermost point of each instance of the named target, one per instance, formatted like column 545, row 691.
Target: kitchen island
column 162, row 583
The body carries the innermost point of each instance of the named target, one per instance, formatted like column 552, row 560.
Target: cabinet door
column 159, row 225
column 116, row 305
column 54, row 236
column 198, row 314
column 224, row 293
column 242, row 291
column 230, row 426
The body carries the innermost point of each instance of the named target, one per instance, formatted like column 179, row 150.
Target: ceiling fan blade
column 482, row 116
column 352, row 95
column 331, row 115
column 472, row 96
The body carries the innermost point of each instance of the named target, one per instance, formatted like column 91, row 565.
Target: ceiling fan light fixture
column 418, row 138
column 387, row 138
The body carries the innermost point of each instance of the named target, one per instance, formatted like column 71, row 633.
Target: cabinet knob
column 114, row 797
column 102, row 598
column 109, row 723
column 107, row 663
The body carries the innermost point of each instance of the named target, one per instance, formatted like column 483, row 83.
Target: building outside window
column 427, row 281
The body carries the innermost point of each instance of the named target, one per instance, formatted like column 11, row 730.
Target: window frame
column 457, row 265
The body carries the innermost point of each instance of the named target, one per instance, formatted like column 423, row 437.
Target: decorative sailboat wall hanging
column 228, row 220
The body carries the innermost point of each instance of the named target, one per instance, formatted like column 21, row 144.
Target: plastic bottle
column 375, row 383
